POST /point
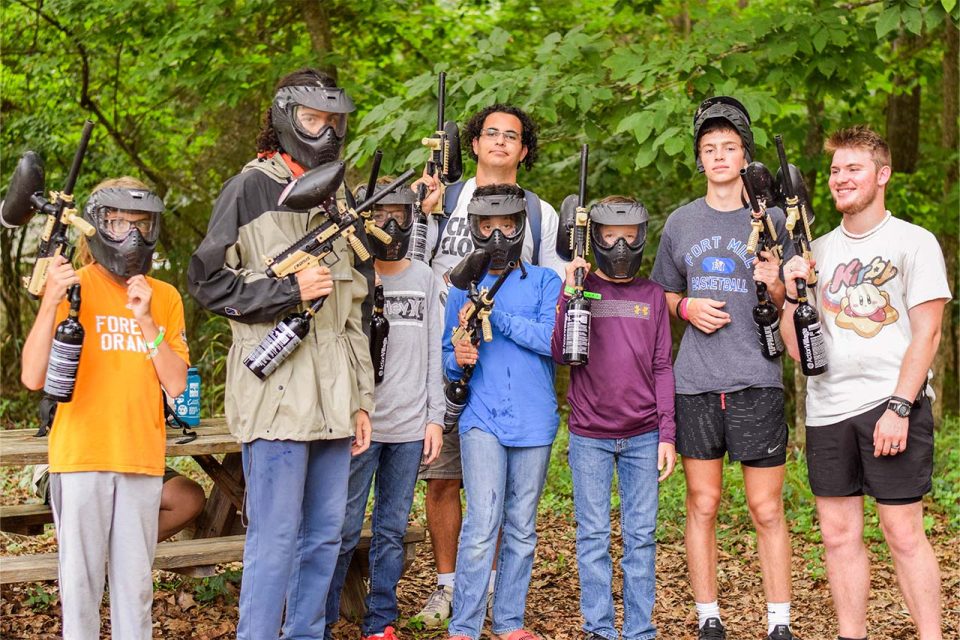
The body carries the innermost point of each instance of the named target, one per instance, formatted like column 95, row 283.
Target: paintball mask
column 128, row 225
column 503, row 243
column 393, row 214
column 619, row 259
column 722, row 108
column 311, row 138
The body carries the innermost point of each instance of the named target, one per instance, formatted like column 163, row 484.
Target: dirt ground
column 552, row 604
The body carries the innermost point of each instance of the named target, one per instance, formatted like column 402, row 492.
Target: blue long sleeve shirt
column 511, row 392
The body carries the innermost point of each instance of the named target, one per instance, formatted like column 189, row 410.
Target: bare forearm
column 36, row 349
column 916, row 364
column 171, row 369
column 672, row 300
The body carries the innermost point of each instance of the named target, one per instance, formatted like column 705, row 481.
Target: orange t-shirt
column 115, row 420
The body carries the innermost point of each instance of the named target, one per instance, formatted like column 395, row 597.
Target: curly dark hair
column 267, row 139
column 528, row 135
column 498, row 190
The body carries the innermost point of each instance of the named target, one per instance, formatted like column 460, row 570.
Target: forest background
column 177, row 90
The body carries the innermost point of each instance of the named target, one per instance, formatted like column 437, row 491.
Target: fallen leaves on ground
column 553, row 601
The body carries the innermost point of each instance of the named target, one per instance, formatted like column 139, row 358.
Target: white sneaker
column 437, row 608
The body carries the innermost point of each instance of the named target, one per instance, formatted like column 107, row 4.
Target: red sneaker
column 388, row 634
column 522, row 634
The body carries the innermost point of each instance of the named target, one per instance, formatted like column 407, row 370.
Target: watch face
column 899, row 408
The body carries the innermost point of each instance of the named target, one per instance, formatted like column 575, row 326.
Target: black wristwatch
column 899, row 406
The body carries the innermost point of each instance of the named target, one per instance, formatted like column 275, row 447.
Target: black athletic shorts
column 840, row 458
column 748, row 424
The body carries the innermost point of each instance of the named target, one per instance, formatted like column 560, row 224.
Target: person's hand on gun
column 314, row 282
column 361, row 440
column 795, row 269
column 432, row 198
column 432, row 442
column 707, row 314
column 572, row 267
column 766, row 270
column 60, row 277
column 464, row 314
column 465, row 353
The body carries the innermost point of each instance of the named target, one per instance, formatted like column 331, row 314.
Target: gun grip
column 82, row 225
column 357, row 245
column 373, row 230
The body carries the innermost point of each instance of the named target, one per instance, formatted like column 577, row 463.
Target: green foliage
column 223, row 584
column 39, row 598
column 178, row 89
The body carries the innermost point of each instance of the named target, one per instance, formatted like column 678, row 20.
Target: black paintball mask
column 502, row 247
column 729, row 110
column 394, row 222
column 123, row 246
column 311, row 146
column 619, row 259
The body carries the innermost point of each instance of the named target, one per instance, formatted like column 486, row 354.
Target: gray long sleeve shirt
column 411, row 393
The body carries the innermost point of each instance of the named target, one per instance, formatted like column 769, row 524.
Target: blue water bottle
column 187, row 405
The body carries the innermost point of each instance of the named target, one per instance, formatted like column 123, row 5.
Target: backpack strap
column 450, row 196
column 534, row 215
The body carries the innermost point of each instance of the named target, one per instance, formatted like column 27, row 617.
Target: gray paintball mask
column 123, row 247
column 620, row 259
column 503, row 248
column 311, row 149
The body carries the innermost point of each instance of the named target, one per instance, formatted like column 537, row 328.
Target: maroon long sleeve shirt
column 627, row 387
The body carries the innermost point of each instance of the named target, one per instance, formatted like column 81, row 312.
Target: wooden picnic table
column 218, row 532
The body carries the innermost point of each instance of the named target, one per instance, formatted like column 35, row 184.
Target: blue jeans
column 395, row 467
column 502, row 486
column 592, row 461
column 296, row 492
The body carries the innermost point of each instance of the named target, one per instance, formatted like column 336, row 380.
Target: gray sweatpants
column 101, row 515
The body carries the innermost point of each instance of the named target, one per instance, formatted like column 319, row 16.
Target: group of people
column 318, row 433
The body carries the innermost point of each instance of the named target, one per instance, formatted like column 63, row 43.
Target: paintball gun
column 813, row 357
column 467, row 275
column 312, row 189
column 25, row 199
column 444, row 162
column 575, row 235
column 758, row 184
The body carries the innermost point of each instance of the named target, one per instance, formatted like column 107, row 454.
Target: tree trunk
column 945, row 381
column 317, row 19
column 903, row 116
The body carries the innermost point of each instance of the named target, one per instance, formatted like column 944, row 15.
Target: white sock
column 706, row 610
column 493, row 580
column 445, row 579
column 777, row 613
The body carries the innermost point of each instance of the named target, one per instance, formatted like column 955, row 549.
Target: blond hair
column 860, row 137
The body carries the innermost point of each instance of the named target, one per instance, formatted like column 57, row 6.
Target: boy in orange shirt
column 107, row 445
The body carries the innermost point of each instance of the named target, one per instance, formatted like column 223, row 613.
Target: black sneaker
column 594, row 636
column 712, row 630
column 781, row 632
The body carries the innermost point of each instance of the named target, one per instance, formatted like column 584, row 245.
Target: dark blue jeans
column 395, row 467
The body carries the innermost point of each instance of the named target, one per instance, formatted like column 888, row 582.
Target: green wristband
column 156, row 341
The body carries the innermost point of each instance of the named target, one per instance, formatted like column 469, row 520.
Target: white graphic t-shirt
column 866, row 288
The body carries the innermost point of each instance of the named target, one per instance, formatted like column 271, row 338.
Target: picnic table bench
column 217, row 535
